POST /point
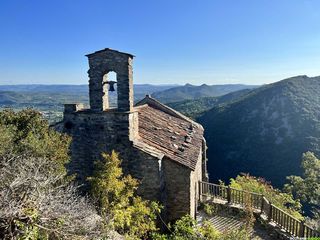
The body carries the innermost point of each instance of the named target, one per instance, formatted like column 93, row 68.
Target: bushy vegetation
column 187, row 228
column 26, row 132
column 116, row 197
column 307, row 186
column 281, row 199
column 37, row 199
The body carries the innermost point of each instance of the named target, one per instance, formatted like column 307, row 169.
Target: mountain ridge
column 196, row 107
column 189, row 91
column 266, row 131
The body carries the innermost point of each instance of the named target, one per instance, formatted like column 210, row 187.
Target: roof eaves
column 179, row 163
column 148, row 149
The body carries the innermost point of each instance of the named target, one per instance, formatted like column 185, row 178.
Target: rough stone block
column 70, row 108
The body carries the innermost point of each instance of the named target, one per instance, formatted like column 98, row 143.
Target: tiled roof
column 176, row 136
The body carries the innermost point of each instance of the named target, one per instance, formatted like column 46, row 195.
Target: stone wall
column 181, row 188
column 205, row 174
column 100, row 64
column 173, row 185
column 177, row 189
column 145, row 168
column 101, row 129
column 195, row 177
column 93, row 133
column 96, row 132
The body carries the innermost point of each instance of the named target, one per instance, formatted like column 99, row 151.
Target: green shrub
column 209, row 209
column 241, row 234
column 207, row 231
column 187, row 229
column 26, row 132
column 307, row 186
column 283, row 200
column 184, row 228
column 116, row 196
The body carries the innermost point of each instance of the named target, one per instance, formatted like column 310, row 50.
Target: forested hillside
column 265, row 132
column 189, row 91
column 195, row 107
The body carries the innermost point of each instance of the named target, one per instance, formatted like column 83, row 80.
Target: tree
column 118, row 204
column 27, row 132
column 36, row 199
column 307, row 186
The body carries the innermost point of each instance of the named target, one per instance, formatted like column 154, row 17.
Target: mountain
column 9, row 98
column 80, row 89
column 195, row 107
column 189, row 91
column 40, row 100
column 49, row 99
column 46, row 97
column 61, row 88
column 265, row 132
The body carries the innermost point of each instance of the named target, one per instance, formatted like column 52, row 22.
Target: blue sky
column 175, row 41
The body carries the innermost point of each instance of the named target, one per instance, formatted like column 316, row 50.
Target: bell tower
column 102, row 128
column 101, row 63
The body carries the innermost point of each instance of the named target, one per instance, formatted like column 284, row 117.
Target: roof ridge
column 155, row 103
column 111, row 50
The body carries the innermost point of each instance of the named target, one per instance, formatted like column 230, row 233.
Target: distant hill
column 40, row 100
column 56, row 88
column 196, row 107
column 189, row 91
column 48, row 97
column 265, row 132
column 77, row 89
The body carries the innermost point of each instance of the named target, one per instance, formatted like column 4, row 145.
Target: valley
column 262, row 131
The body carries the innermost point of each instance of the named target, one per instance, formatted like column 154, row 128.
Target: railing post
column 262, row 203
column 302, row 229
column 270, row 212
column 200, row 191
column 229, row 194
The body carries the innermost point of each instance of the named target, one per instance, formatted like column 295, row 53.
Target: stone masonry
column 160, row 147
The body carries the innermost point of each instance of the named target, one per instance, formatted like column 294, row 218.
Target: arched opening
column 110, row 89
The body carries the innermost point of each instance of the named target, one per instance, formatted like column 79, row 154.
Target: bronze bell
column 111, row 85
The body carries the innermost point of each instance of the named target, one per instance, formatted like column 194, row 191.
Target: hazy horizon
column 160, row 84
column 157, row 84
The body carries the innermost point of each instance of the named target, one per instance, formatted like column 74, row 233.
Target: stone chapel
column 160, row 147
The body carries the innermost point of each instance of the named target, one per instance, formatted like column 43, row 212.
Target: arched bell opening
column 103, row 63
column 110, row 91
